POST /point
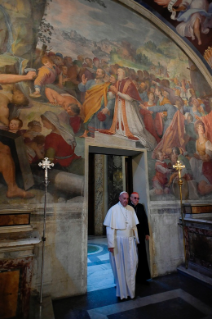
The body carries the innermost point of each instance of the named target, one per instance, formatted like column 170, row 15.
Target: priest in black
column 143, row 273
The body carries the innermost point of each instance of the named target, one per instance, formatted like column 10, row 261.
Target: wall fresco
column 191, row 19
column 98, row 66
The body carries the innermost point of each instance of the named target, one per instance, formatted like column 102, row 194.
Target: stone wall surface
column 65, row 251
column 166, row 240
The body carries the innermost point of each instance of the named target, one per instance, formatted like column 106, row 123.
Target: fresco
column 191, row 19
column 96, row 66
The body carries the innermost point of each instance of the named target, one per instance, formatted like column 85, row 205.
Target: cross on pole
column 45, row 164
column 179, row 168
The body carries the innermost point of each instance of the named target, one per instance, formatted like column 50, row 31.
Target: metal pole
column 180, row 182
column 179, row 167
column 45, row 164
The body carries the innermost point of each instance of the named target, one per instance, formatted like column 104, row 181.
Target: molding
column 171, row 34
column 15, row 229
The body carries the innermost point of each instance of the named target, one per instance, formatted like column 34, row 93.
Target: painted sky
column 96, row 22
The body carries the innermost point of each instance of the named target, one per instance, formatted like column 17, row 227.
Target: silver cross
column 46, row 164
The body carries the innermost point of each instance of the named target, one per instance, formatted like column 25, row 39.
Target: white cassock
column 122, row 235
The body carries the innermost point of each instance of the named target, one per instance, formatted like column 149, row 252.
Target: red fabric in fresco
column 207, row 170
column 207, row 120
column 75, row 122
column 149, row 122
column 174, row 136
column 160, row 177
column 62, row 149
column 131, row 89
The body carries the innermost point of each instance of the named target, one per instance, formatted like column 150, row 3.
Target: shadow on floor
column 173, row 296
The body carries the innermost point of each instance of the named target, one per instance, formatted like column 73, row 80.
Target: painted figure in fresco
column 35, row 149
column 169, row 109
column 74, row 74
column 47, row 74
column 60, row 145
column 68, row 61
column 168, row 94
column 143, row 273
column 160, row 101
column 89, row 71
column 60, row 97
column 195, row 16
column 175, row 133
column 150, row 123
column 191, row 135
column 10, row 94
column 14, row 78
column 122, row 233
column 64, row 76
column 127, row 120
column 15, row 125
column 163, row 171
column 207, row 120
column 7, row 169
column 196, row 109
column 71, row 116
column 142, row 89
column 98, row 103
column 186, row 172
column 201, row 163
column 34, row 129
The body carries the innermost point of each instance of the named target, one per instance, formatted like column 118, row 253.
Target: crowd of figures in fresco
column 82, row 96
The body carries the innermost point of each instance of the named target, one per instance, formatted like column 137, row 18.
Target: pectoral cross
column 46, row 164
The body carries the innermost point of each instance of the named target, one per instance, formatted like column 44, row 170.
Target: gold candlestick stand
column 179, row 168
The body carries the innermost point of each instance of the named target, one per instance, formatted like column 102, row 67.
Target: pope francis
column 122, row 237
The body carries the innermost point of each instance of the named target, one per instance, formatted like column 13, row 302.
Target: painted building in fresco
column 97, row 66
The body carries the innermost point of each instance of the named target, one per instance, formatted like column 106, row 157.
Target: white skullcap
column 124, row 192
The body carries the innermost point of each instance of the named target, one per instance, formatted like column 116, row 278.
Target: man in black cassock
column 143, row 273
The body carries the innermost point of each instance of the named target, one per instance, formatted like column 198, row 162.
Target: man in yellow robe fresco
column 98, row 103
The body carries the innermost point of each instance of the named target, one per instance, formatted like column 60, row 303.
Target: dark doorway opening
column 118, row 176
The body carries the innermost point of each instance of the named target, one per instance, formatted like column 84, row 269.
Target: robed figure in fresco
column 127, row 120
column 96, row 105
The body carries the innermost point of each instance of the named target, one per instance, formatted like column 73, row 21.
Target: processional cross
column 45, row 164
column 179, row 168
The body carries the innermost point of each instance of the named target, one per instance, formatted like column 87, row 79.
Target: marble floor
column 174, row 296
column 100, row 274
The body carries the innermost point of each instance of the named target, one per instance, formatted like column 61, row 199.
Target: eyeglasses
column 136, row 198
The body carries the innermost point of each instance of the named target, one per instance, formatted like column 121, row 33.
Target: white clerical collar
column 122, row 205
